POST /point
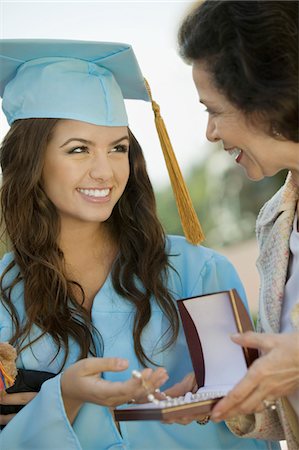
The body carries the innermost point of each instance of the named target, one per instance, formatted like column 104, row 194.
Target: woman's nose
column 100, row 168
column 211, row 131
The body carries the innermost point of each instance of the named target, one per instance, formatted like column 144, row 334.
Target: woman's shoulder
column 199, row 270
column 179, row 248
column 284, row 199
column 195, row 260
column 270, row 209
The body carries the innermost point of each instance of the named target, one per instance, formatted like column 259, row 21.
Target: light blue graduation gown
column 43, row 425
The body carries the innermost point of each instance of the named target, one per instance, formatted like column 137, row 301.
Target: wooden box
column 208, row 322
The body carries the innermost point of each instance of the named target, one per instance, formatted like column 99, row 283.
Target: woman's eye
column 212, row 113
column 81, row 149
column 119, row 149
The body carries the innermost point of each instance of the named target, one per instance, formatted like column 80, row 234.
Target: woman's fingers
column 82, row 382
column 5, row 418
column 185, row 420
column 150, row 381
column 273, row 375
column 137, row 389
column 19, row 398
column 254, row 340
column 95, row 366
column 188, row 384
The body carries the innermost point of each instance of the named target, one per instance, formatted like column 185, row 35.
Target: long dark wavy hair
column 251, row 50
column 32, row 224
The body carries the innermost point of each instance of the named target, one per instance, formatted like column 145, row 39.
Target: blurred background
column 226, row 202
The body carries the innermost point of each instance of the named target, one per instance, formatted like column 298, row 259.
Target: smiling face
column 86, row 170
column 258, row 153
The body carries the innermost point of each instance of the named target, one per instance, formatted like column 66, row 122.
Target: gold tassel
column 189, row 220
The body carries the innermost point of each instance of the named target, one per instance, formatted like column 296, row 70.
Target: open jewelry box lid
column 208, row 321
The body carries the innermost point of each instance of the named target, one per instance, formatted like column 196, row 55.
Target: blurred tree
column 226, row 201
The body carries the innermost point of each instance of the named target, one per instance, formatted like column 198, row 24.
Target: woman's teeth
column 235, row 152
column 95, row 192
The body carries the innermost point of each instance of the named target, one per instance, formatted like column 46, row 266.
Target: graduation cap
column 86, row 81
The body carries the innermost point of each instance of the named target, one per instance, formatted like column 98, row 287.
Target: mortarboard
column 86, row 81
column 69, row 79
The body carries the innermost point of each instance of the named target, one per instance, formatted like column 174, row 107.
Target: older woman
column 245, row 68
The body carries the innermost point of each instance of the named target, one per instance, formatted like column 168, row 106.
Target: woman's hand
column 21, row 398
column 82, row 383
column 188, row 384
column 275, row 374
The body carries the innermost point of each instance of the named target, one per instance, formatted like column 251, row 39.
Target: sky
column 151, row 28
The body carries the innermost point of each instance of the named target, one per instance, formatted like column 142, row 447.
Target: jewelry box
column 208, row 321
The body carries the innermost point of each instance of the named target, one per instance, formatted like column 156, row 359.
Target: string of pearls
column 187, row 398
column 167, row 401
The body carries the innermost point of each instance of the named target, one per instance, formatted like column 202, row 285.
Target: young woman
column 245, row 67
column 90, row 272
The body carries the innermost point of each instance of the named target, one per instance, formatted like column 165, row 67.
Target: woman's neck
column 89, row 252
column 80, row 240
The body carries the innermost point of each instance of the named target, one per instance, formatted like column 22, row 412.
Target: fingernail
column 235, row 335
column 122, row 363
column 215, row 416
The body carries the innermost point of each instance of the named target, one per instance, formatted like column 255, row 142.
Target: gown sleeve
column 41, row 424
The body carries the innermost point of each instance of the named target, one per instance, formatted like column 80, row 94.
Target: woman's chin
column 254, row 175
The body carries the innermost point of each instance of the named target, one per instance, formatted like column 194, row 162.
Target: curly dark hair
column 32, row 225
column 251, row 50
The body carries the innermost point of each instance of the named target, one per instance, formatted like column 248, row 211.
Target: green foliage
column 226, row 201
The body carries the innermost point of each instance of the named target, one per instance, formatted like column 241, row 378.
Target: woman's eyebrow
column 126, row 137
column 84, row 141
